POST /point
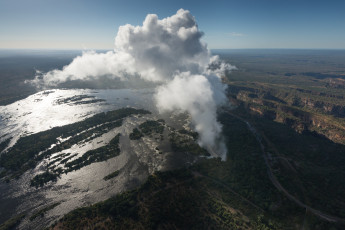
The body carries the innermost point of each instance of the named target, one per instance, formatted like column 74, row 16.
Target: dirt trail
column 276, row 183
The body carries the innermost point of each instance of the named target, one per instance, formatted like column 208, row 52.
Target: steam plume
column 168, row 52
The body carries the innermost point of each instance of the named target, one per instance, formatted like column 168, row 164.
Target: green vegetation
column 181, row 140
column 195, row 135
column 296, row 102
column 297, row 108
column 112, row 175
column 147, row 128
column 232, row 194
column 185, row 141
column 43, row 178
column 4, row 144
column 25, row 155
column 95, row 155
column 150, row 126
column 135, row 135
column 67, row 159
column 307, row 95
column 78, row 100
column 60, row 156
column 171, row 200
column 312, row 169
column 43, row 211
column 12, row 223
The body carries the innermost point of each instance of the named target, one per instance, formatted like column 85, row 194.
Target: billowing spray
column 168, row 52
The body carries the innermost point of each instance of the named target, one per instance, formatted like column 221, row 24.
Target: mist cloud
column 168, row 52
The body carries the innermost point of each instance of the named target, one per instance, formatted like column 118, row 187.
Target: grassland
column 112, row 175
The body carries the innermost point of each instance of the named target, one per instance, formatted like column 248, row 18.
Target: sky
column 227, row 24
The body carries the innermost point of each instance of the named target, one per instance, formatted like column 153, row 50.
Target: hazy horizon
column 105, row 50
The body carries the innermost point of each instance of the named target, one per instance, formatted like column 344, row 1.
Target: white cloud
column 166, row 51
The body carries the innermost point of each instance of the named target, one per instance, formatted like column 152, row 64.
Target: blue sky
column 234, row 24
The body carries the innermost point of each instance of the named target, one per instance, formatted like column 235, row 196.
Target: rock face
column 306, row 112
column 337, row 83
column 324, row 107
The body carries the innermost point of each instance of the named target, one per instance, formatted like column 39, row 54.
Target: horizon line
column 100, row 49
